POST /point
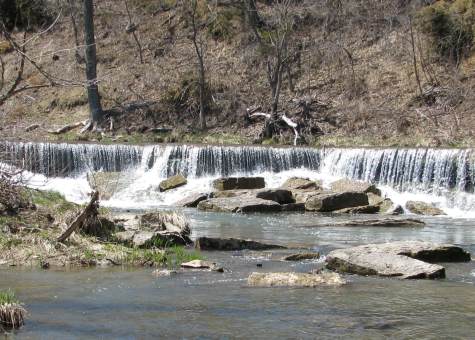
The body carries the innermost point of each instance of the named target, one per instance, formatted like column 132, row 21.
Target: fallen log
column 90, row 208
column 32, row 127
column 66, row 128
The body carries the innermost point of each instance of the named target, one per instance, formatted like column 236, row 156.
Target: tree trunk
column 91, row 64
column 202, row 96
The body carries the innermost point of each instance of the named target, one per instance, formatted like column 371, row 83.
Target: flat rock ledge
column 232, row 244
column 239, row 204
column 294, row 280
column 377, row 222
column 403, row 260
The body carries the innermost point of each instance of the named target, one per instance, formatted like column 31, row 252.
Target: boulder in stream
column 172, row 183
column 404, row 260
column 336, row 201
column 201, row 264
column 232, row 244
column 235, row 183
column 245, row 204
column 280, row 196
column 344, row 185
column 422, row 208
column 294, row 280
column 365, row 209
column 192, row 200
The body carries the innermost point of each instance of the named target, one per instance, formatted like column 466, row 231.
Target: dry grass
column 371, row 102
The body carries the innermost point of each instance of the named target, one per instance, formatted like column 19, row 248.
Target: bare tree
column 199, row 21
column 132, row 29
column 278, row 55
column 94, row 99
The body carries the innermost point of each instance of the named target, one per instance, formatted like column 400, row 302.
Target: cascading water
column 443, row 176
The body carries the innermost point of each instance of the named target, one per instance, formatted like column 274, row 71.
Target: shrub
column 451, row 26
column 25, row 14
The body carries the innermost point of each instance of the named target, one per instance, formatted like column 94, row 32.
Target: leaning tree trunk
column 91, row 64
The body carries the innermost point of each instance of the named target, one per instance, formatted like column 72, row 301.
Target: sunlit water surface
column 133, row 303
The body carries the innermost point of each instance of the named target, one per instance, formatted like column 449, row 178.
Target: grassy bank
column 30, row 238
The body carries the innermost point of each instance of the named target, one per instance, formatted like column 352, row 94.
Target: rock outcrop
column 280, row 196
column 294, row 280
column 172, row 183
column 235, row 183
column 422, row 208
column 377, row 222
column 245, row 204
column 232, row 244
column 404, row 260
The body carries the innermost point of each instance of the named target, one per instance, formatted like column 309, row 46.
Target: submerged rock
column 164, row 272
column 239, row 204
column 422, row 208
column 294, row 280
column 378, row 222
column 172, row 183
column 234, row 183
column 301, row 257
column 345, row 185
column 232, row 244
column 298, row 183
column 336, row 201
column 398, row 259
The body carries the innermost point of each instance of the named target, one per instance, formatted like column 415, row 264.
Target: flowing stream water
column 133, row 303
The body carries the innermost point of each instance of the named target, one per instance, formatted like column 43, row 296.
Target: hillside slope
column 354, row 81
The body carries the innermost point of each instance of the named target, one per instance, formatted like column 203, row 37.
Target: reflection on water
column 133, row 303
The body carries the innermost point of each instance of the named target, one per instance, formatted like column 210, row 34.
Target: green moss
column 51, row 200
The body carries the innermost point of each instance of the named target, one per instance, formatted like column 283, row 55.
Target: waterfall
column 445, row 174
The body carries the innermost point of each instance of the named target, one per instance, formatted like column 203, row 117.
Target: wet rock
column 422, row 208
column 164, row 272
column 382, row 264
column 302, row 257
column 344, row 185
column 234, row 183
column 293, row 207
column 384, row 204
column 200, row 264
column 294, row 280
column 298, row 183
column 336, row 201
column 397, row 210
column 239, row 204
column 280, row 196
column 232, row 244
column 398, row 259
column 192, row 200
column 172, row 183
column 378, row 222
column 366, row 209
